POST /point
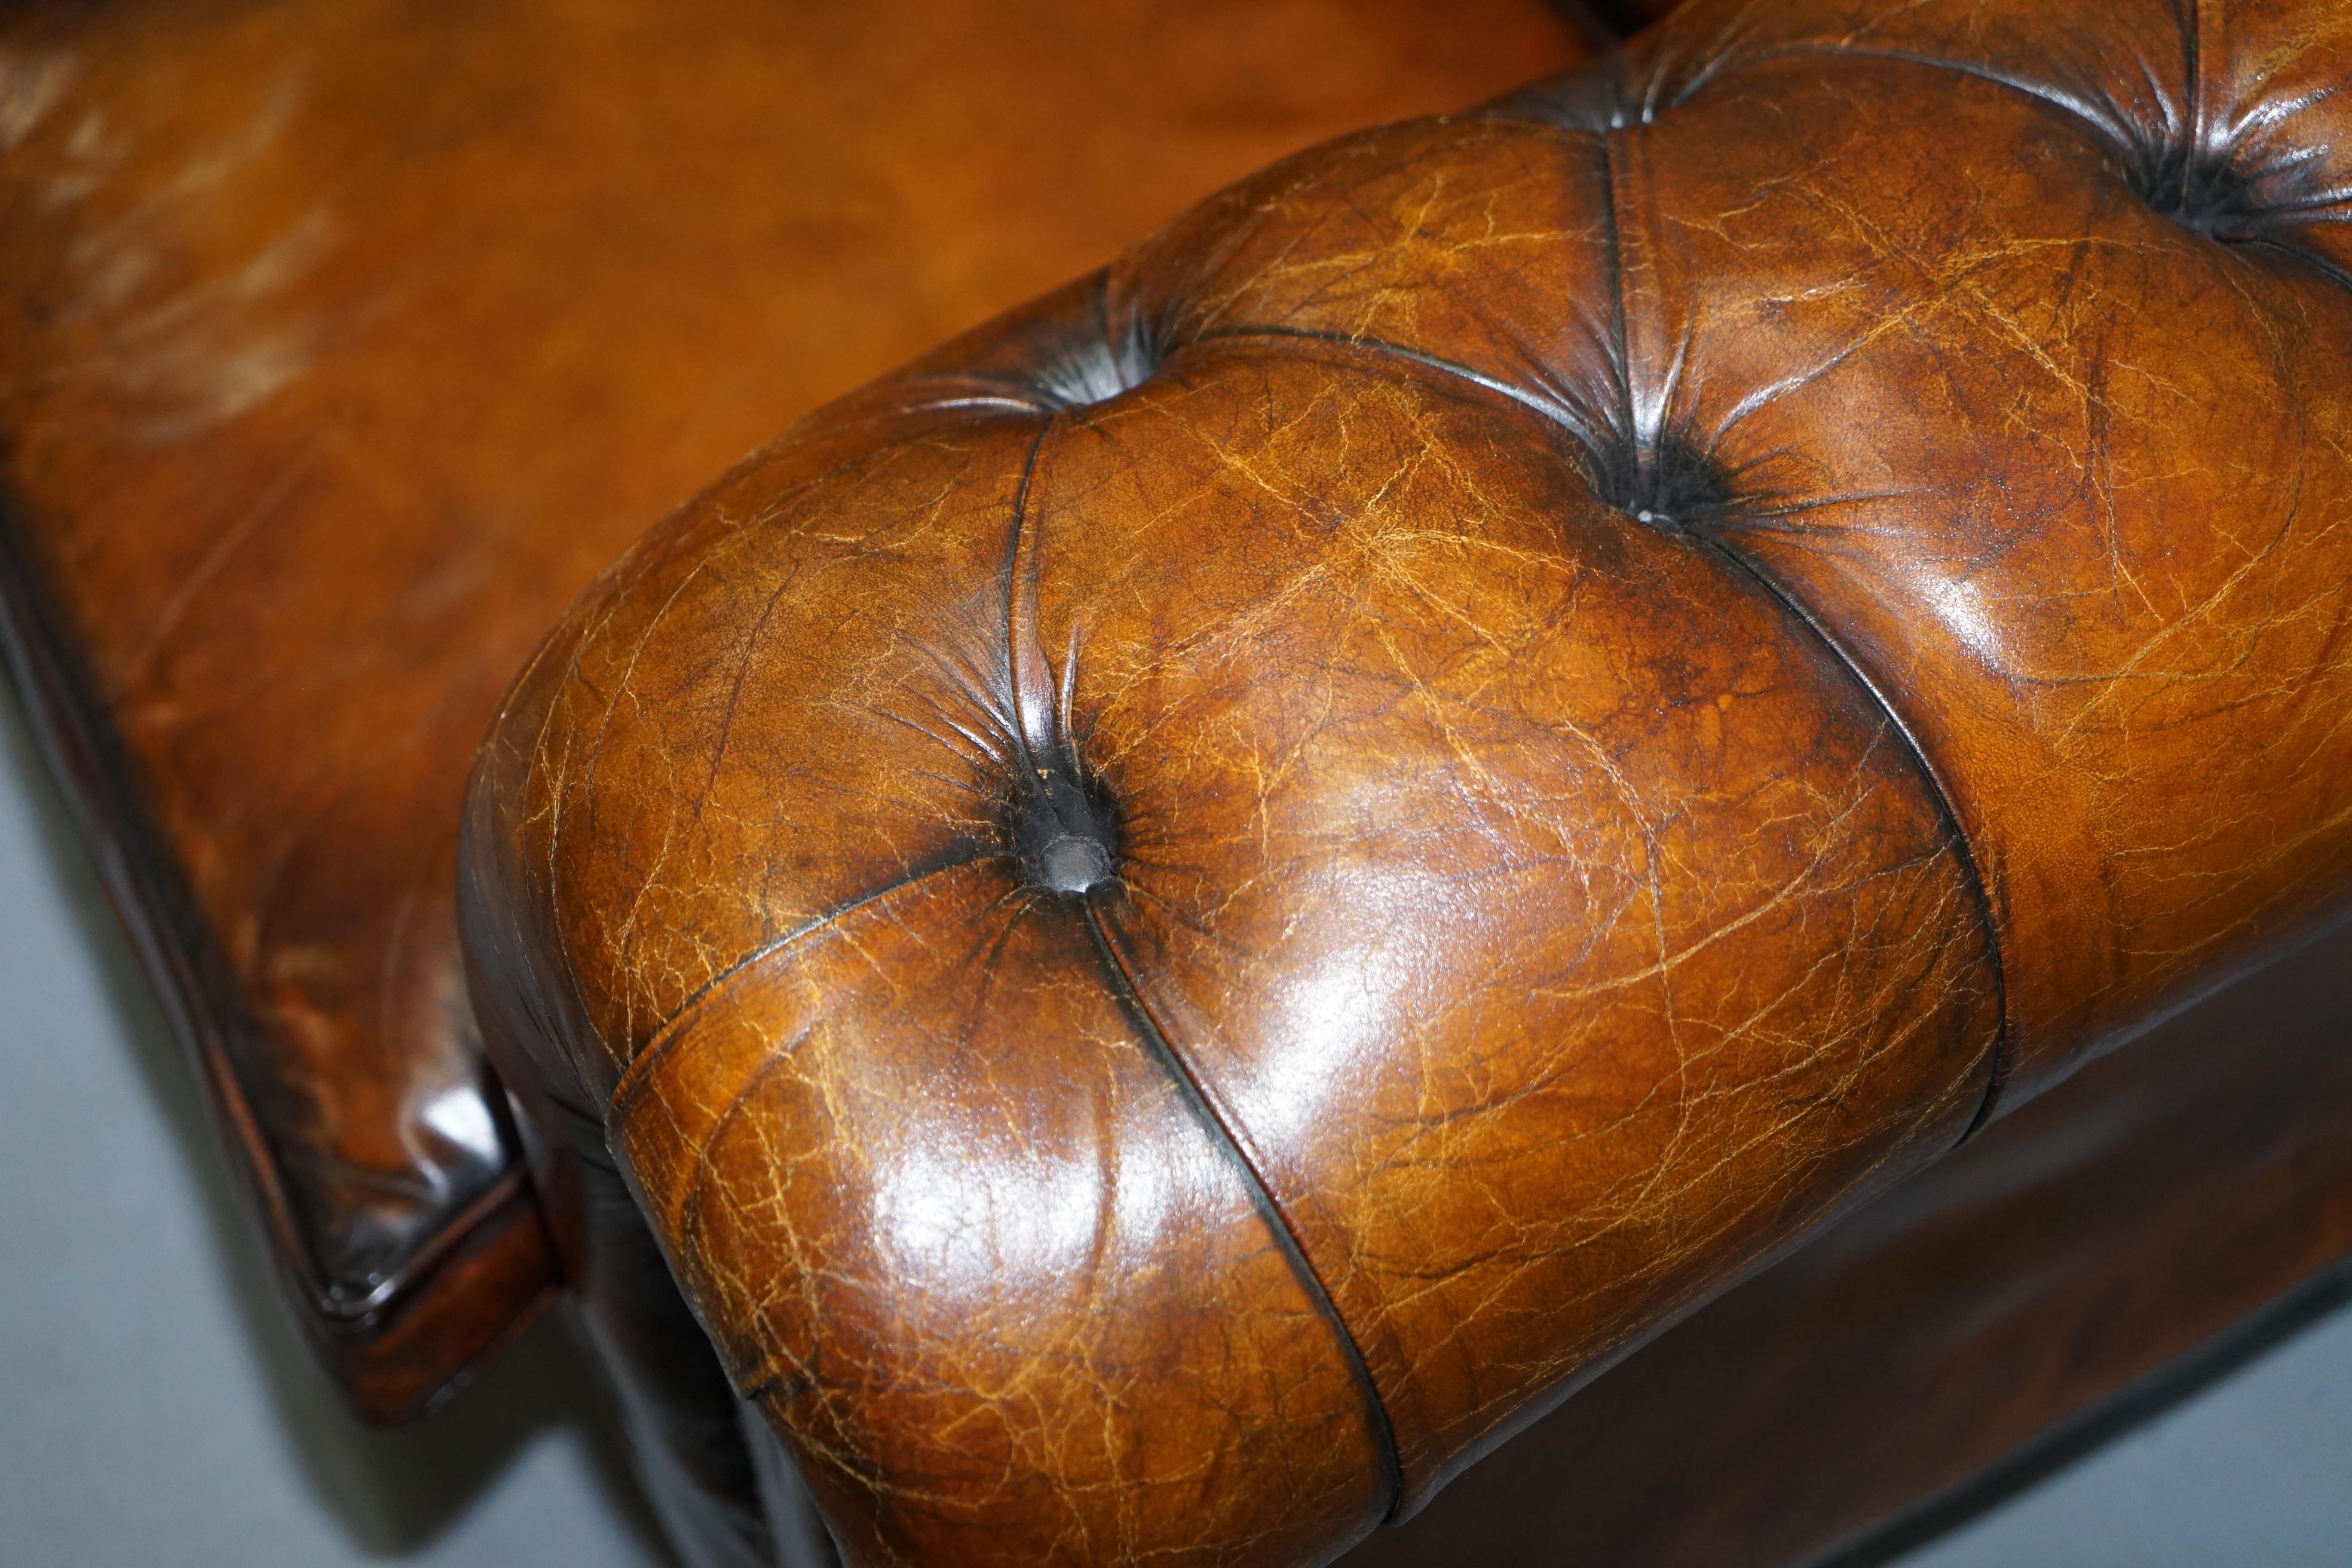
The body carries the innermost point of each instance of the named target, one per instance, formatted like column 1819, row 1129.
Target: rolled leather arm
column 1183, row 915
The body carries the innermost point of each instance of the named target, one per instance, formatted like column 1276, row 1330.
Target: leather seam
column 2008, row 81
column 1014, row 550
column 1550, row 411
column 2001, row 1052
column 2003, row 1049
column 673, row 1028
column 1161, row 1047
column 1612, row 250
column 2114, row 133
column 1023, row 552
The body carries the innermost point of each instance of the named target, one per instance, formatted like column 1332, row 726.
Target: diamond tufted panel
column 341, row 346
column 1188, row 913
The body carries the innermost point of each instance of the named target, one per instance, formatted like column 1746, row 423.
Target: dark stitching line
column 2193, row 90
column 2329, row 269
column 1158, row 1044
column 2078, row 109
column 1551, row 411
column 1180, row 1072
column 672, row 1030
column 2004, row 1046
column 2113, row 132
column 1614, row 249
column 2003, row 1051
column 1012, row 603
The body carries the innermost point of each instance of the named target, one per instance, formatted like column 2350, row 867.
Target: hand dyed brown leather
column 340, row 346
column 2140, row 1227
column 1185, row 913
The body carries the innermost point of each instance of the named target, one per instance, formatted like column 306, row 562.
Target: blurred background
column 156, row 1408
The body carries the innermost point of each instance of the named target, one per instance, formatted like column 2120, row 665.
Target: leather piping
column 2001, row 1053
column 1158, row 1043
column 1162, row 1050
column 673, row 1028
column 2112, row 131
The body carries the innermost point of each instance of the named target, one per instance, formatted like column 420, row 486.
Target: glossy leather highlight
column 1641, row 660
column 345, row 342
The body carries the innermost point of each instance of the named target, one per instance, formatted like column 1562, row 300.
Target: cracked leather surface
column 2071, row 1268
column 342, row 344
column 1191, row 909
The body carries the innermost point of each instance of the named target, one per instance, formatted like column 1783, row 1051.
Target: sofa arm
column 1183, row 915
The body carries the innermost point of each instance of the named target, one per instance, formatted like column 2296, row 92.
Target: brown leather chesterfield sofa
column 1648, row 783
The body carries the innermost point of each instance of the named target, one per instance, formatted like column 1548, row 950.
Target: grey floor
column 155, row 1410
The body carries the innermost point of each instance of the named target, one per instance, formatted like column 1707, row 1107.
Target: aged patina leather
column 1187, row 912
column 340, row 344
column 2141, row 1225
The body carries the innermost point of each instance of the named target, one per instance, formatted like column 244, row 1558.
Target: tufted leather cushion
column 1188, row 912
column 2118, row 1241
column 345, row 342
